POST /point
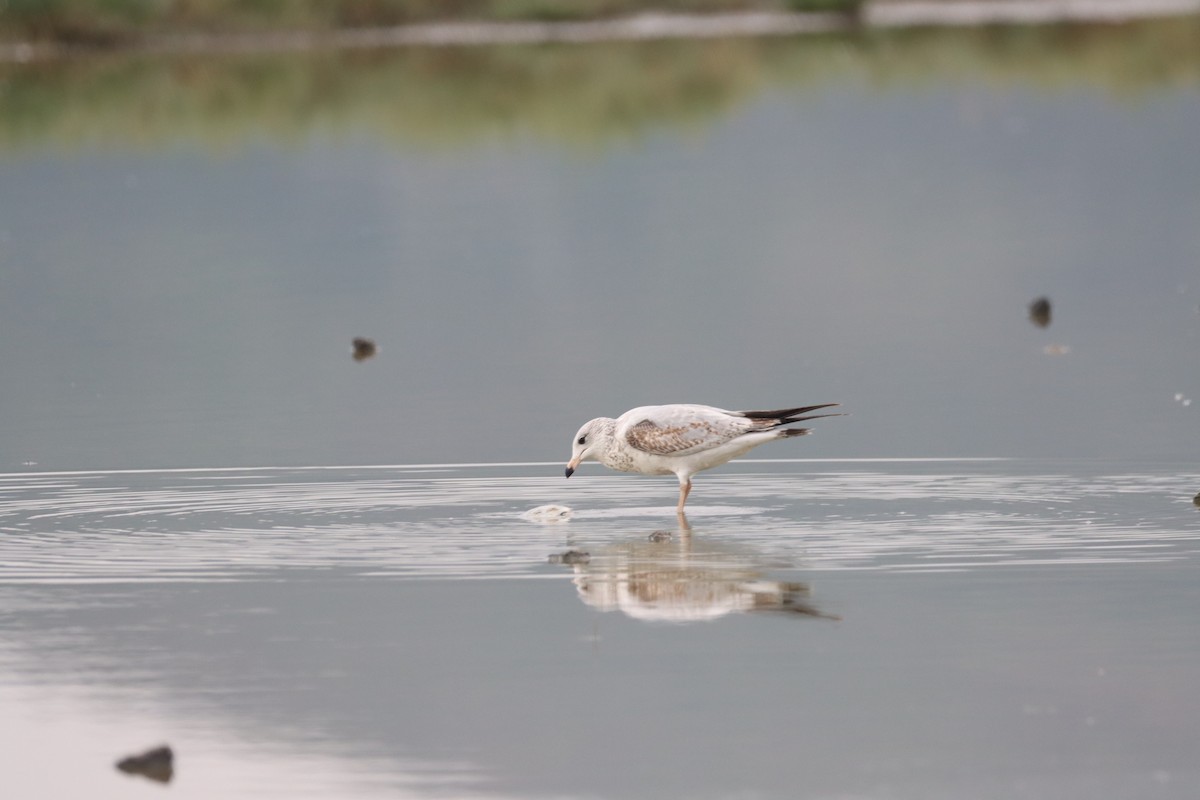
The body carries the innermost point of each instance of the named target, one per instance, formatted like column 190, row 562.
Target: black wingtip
column 786, row 416
column 788, row 413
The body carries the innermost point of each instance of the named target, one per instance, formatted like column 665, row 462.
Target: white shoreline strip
column 1020, row 12
column 469, row 465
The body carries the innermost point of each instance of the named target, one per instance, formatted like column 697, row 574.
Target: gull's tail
column 767, row 420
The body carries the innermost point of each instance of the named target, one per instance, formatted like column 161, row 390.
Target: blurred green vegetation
column 582, row 95
column 110, row 21
column 825, row 6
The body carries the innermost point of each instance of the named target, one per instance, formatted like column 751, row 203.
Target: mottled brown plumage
column 682, row 439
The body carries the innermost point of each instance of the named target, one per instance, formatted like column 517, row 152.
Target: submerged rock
column 1196, row 501
column 363, row 348
column 1039, row 312
column 157, row 764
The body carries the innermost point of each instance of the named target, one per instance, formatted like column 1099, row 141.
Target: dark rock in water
column 1039, row 312
column 363, row 348
column 571, row 557
column 1196, row 500
column 660, row 536
column 157, row 764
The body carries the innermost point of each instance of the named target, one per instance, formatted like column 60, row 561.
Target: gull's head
column 586, row 445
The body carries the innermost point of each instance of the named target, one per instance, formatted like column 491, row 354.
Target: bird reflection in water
column 675, row 577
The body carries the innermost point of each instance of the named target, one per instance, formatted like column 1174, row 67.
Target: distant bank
column 33, row 36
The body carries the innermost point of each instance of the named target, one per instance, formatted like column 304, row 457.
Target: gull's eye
column 581, row 440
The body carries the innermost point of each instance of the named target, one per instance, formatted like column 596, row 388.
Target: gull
column 682, row 439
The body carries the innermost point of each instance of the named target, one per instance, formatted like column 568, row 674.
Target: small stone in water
column 157, row 764
column 1196, row 501
column 1039, row 312
column 363, row 348
column 660, row 536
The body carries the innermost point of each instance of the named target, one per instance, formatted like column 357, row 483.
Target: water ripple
column 465, row 521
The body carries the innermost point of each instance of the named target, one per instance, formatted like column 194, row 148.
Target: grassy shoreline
column 582, row 96
column 35, row 30
column 113, row 23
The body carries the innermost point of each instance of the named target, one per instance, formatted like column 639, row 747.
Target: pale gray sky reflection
column 963, row 685
column 401, row 632
column 176, row 308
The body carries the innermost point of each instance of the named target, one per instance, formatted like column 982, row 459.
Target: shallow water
column 880, row 629
column 537, row 236
column 459, row 521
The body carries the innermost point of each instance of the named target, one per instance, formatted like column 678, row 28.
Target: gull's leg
column 685, row 486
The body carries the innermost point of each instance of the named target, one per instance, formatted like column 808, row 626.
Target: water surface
column 879, row 629
column 871, row 232
column 537, row 236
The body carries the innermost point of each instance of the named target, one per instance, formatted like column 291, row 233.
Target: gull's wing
column 680, row 430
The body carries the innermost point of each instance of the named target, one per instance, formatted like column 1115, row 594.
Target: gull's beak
column 571, row 465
